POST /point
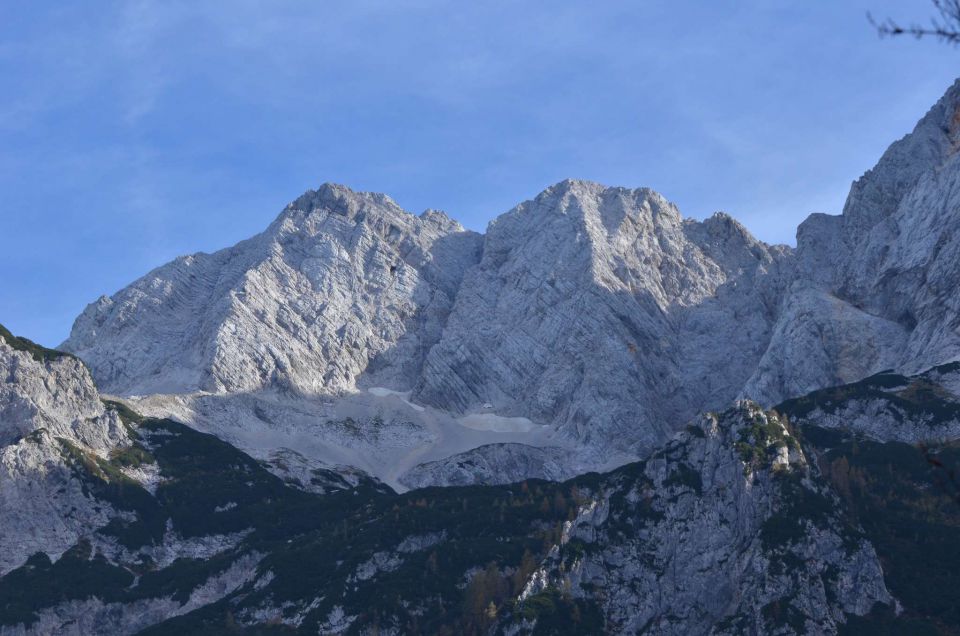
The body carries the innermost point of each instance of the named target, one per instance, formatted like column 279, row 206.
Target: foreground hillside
column 741, row 523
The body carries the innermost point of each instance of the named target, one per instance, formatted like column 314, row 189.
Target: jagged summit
column 585, row 199
column 341, row 282
column 378, row 210
column 335, row 198
column 339, row 198
column 594, row 308
column 721, row 224
column 597, row 311
column 933, row 141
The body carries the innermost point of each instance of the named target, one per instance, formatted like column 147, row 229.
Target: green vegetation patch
column 39, row 353
column 133, row 456
column 559, row 613
column 759, row 443
column 907, row 398
column 905, row 499
column 127, row 414
column 77, row 575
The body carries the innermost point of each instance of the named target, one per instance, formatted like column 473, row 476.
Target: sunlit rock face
column 592, row 309
column 598, row 312
column 876, row 287
column 603, row 311
column 341, row 284
column 48, row 406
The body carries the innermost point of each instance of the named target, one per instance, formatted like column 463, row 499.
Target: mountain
column 597, row 418
column 341, row 285
column 874, row 287
column 578, row 329
column 597, row 310
column 590, row 322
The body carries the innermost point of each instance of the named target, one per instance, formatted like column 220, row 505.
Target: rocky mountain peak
column 586, row 287
column 596, row 205
column 337, row 207
column 341, row 283
column 441, row 219
column 595, row 310
column 881, row 190
column 339, row 199
column 309, row 211
column 723, row 227
column 726, row 240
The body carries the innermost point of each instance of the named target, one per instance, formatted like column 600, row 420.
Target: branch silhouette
column 944, row 27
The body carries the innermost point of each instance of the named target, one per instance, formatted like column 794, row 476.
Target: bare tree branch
column 945, row 27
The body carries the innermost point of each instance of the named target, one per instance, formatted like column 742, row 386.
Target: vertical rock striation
column 341, row 284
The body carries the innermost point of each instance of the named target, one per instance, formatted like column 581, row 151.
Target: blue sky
column 132, row 132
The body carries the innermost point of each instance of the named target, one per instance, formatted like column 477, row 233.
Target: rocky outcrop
column 77, row 482
column 48, row 407
column 45, row 389
column 726, row 529
column 887, row 407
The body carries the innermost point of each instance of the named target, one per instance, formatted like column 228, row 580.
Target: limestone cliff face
column 875, row 287
column 595, row 310
column 598, row 312
column 341, row 284
column 47, row 400
column 602, row 311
